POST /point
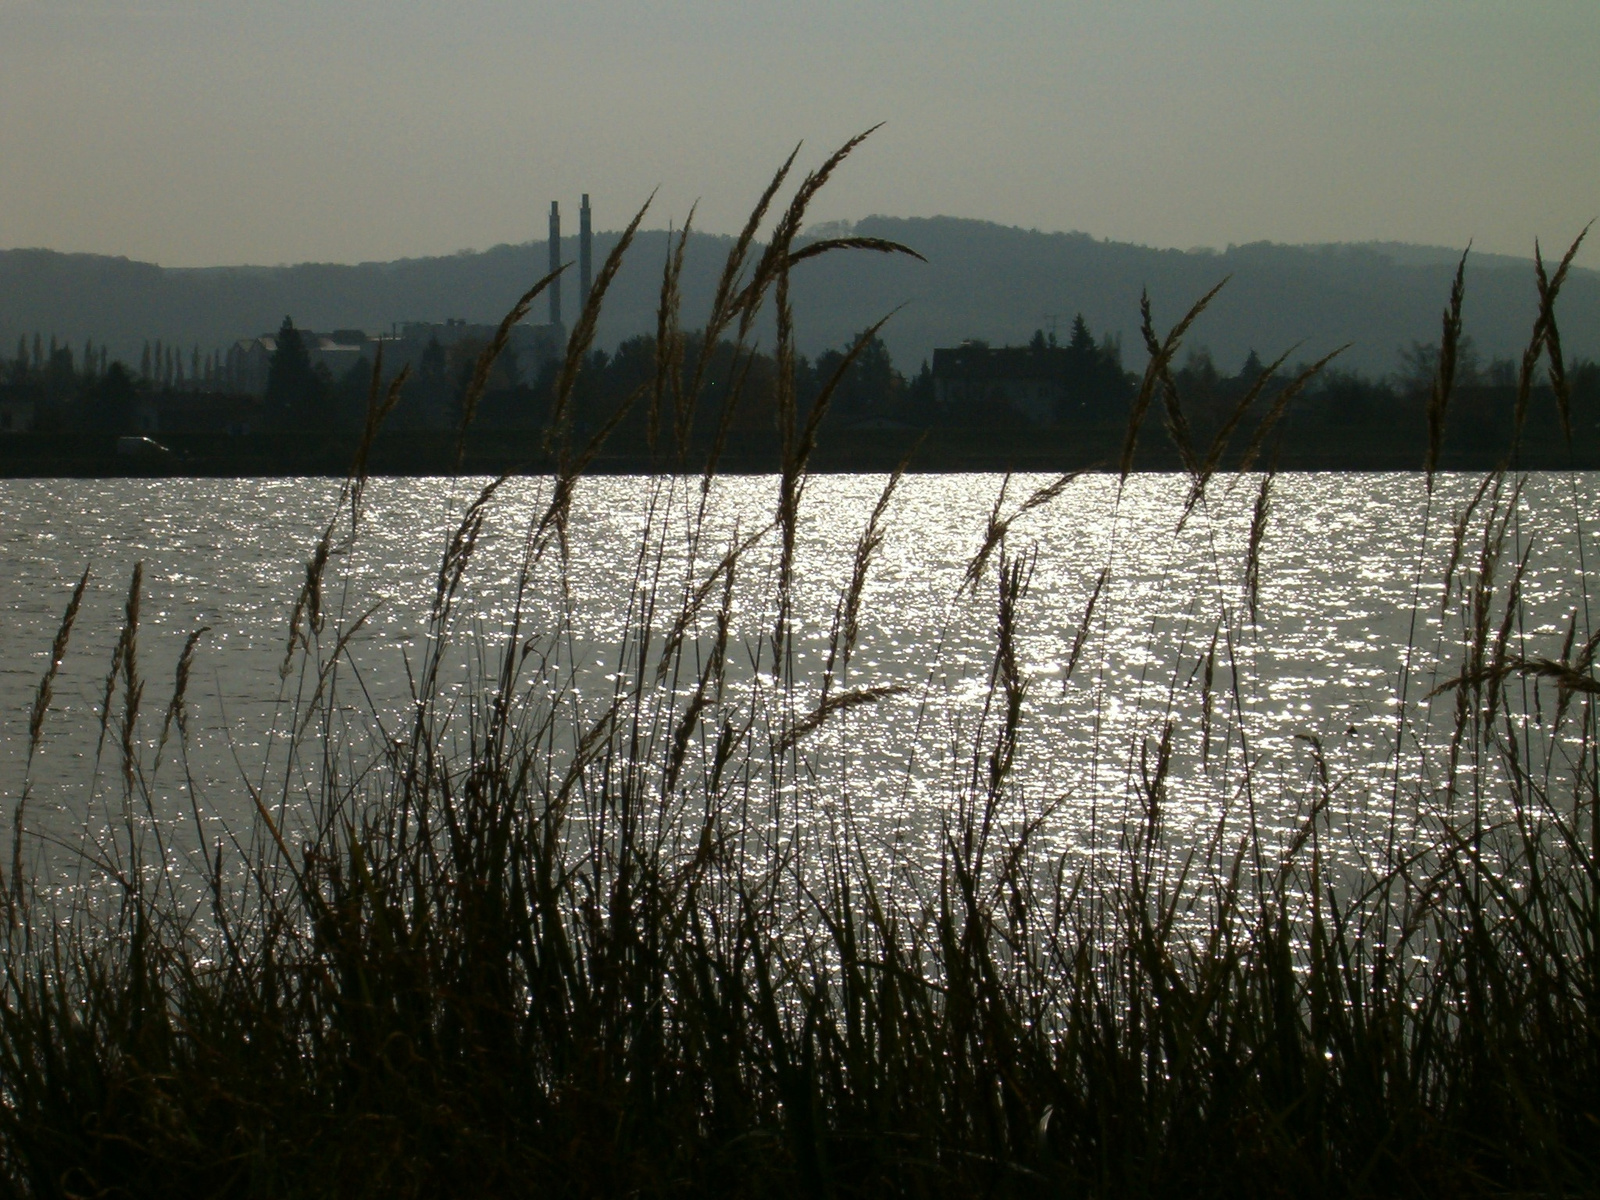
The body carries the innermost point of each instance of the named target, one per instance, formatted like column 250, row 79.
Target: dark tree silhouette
column 1081, row 342
column 110, row 407
column 869, row 385
column 294, row 388
column 1096, row 385
column 60, row 376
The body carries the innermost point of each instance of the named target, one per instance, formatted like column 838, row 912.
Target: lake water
column 1338, row 605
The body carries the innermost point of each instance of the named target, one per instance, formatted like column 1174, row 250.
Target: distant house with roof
column 1045, row 383
column 250, row 359
column 976, row 374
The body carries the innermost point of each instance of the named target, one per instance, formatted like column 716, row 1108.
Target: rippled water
column 1339, row 604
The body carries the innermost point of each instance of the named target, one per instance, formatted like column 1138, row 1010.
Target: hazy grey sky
column 196, row 132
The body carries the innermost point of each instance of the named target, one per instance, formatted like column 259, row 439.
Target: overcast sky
column 193, row 132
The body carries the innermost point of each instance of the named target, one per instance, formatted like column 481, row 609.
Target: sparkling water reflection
column 1339, row 604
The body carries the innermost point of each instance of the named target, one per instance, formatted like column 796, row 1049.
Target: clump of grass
column 41, row 707
column 539, row 940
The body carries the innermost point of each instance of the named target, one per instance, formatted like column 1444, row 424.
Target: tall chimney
column 585, row 254
column 555, row 262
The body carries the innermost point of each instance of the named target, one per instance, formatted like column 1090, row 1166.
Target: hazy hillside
column 980, row 280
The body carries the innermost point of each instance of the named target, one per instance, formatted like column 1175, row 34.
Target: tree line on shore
column 83, row 393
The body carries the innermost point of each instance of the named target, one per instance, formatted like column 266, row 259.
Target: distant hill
column 980, row 281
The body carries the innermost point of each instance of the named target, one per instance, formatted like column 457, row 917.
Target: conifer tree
column 1081, row 341
column 294, row 389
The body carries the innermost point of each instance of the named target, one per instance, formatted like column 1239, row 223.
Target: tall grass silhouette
column 541, row 939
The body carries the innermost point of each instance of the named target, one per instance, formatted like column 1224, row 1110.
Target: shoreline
column 939, row 451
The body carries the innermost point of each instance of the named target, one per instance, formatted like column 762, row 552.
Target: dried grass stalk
column 1159, row 360
column 126, row 641
column 1207, row 699
column 1459, row 537
column 1444, row 378
column 41, row 707
column 1280, row 405
column 177, row 712
column 708, row 689
column 670, row 349
column 696, row 601
column 1014, row 577
column 1219, row 442
column 1177, row 423
column 847, row 615
column 1549, row 289
column 1498, row 658
column 837, row 703
column 1252, row 558
column 491, row 353
column 1081, row 637
column 132, row 685
column 582, row 336
column 380, row 403
column 995, row 533
column 58, row 653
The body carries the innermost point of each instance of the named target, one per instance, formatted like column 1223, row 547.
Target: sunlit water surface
column 1339, row 602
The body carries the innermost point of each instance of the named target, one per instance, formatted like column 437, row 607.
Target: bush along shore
column 536, row 940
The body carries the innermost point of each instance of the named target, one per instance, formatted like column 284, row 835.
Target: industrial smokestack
column 585, row 254
column 555, row 262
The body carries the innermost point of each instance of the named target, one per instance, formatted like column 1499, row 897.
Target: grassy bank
column 536, row 939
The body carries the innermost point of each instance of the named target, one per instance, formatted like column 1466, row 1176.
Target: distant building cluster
column 252, row 384
column 530, row 347
column 1033, row 382
column 1043, row 382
